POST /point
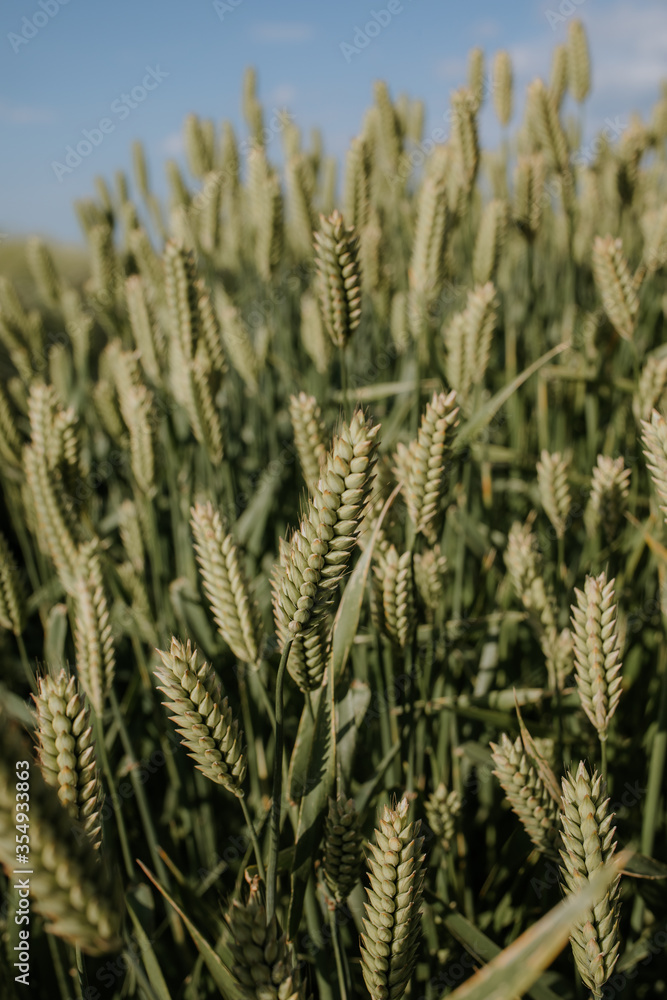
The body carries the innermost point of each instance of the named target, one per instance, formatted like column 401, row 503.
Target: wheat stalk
column 391, row 926
column 202, row 716
column 395, row 584
column 490, row 240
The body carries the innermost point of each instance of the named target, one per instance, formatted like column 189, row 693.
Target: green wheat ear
column 526, row 791
column 203, row 717
column 342, row 848
column 597, row 651
column 391, row 927
column 339, row 277
column 69, row 885
column 67, row 751
column 588, row 843
column 265, row 964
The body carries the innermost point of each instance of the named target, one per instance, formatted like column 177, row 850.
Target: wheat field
column 332, row 566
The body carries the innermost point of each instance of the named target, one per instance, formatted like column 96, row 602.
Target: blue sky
column 67, row 76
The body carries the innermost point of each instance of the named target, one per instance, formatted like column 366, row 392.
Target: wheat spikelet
column 357, row 191
column 207, row 206
column 395, row 583
column 558, row 79
column 148, row 262
column 430, row 569
column 210, row 330
column 654, row 438
column 103, row 264
column 442, row 807
column 427, row 262
column 202, row 409
column 526, row 792
column 597, row 651
column 427, row 460
column 554, row 489
column 465, row 140
column 545, row 126
column 529, row 178
column 140, row 169
column 309, row 436
column 302, row 214
column 308, row 655
column 317, row 557
column 609, row 495
column 467, row 339
column 392, row 923
column 43, row 270
column 236, row 340
column 313, row 336
column 524, row 566
column 339, row 277
column 342, row 848
column 588, row 842
column 93, row 638
column 655, row 246
column 131, row 535
column 182, row 292
column 196, row 148
column 207, row 726
column 10, row 440
column 69, row 887
column 651, row 389
column 476, row 75
column 489, row 241
column 265, row 964
column 398, row 321
column 389, row 134
column 269, row 243
column 502, row 86
column 136, row 407
column 142, row 325
column 13, row 613
column 225, row 584
column 67, row 751
column 54, row 529
column 615, row 285
column 578, row 61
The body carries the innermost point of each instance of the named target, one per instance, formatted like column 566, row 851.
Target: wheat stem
column 253, row 837
column 277, row 787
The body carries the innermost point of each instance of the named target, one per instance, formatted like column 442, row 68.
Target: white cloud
column 281, row 95
column 283, row 32
column 172, row 144
column 14, row 114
